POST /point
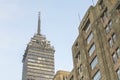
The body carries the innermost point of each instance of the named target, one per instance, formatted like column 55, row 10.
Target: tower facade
column 38, row 59
column 96, row 51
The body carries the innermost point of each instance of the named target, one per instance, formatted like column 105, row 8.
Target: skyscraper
column 38, row 59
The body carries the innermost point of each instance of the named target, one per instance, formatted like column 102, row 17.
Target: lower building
column 61, row 75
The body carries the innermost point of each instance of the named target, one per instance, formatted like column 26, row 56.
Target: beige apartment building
column 96, row 50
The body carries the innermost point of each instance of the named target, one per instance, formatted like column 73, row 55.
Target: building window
column 114, row 56
column 82, row 78
column 78, row 56
column 97, row 76
column 64, row 77
column 111, row 42
column 80, row 69
column 118, row 74
column 89, row 38
column 87, row 26
column 101, row 4
column 104, row 16
column 110, row 24
column 114, row 37
column 94, row 63
column 118, row 9
column 118, row 52
column 108, row 27
column 71, row 78
column 76, row 45
column 92, row 49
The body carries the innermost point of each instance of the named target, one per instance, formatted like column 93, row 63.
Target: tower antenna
column 39, row 24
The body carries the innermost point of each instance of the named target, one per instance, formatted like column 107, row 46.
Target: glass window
column 118, row 9
column 101, row 4
column 82, row 78
column 118, row 74
column 76, row 45
column 97, row 76
column 87, row 26
column 111, row 42
column 80, row 69
column 78, row 55
column 114, row 58
column 92, row 49
column 89, row 38
column 94, row 63
column 104, row 15
column 110, row 24
column 107, row 29
column 118, row 52
column 114, row 37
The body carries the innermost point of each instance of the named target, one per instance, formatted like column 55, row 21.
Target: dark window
column 87, row 26
column 118, row 8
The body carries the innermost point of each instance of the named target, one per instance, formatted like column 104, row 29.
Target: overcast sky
column 18, row 23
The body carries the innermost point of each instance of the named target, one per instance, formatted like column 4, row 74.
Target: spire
column 39, row 25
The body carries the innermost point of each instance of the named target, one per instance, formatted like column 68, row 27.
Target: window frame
column 97, row 75
column 94, row 62
column 87, row 26
column 118, row 73
column 118, row 52
column 114, row 57
column 114, row 37
column 89, row 38
column 110, row 42
column 91, row 49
